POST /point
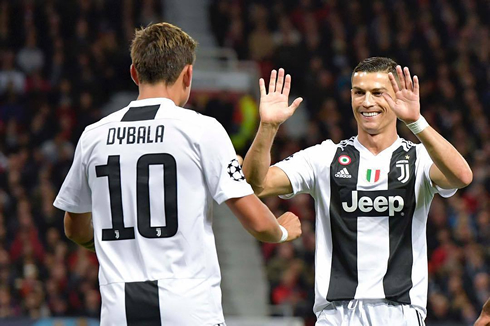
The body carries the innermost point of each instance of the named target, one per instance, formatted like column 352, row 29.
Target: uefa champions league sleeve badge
column 235, row 170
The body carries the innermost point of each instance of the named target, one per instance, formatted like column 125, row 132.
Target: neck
column 378, row 142
column 147, row 91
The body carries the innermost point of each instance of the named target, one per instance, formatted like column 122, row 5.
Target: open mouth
column 370, row 114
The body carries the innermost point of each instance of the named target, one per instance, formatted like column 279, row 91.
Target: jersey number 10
column 112, row 170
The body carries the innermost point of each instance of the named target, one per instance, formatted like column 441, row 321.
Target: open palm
column 406, row 104
column 274, row 108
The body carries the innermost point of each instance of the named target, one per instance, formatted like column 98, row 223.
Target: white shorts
column 183, row 302
column 369, row 313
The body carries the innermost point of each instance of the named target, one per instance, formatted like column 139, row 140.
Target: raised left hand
column 406, row 104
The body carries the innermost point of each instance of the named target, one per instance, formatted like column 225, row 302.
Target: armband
column 417, row 126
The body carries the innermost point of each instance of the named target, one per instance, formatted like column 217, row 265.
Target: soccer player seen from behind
column 372, row 195
column 140, row 193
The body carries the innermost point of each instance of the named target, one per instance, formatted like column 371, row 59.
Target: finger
column 296, row 103
column 393, row 82
column 416, row 85
column 388, row 99
column 280, row 80
column 399, row 72
column 287, row 85
column 262, row 87
column 272, row 82
column 408, row 79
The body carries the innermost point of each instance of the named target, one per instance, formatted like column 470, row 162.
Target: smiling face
column 371, row 111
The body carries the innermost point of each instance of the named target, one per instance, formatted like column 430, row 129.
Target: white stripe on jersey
column 373, row 238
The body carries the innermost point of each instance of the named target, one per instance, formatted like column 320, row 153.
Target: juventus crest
column 404, row 170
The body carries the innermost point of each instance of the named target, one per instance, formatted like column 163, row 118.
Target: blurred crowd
column 319, row 42
column 60, row 61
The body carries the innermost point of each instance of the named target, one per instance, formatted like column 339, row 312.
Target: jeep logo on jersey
column 235, row 170
column 404, row 170
column 375, row 203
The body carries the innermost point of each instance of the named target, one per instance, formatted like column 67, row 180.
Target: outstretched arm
column 274, row 110
column 450, row 170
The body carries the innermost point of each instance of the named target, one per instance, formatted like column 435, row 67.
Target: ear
column 134, row 75
column 187, row 76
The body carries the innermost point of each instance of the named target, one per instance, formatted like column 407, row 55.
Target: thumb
column 389, row 99
column 296, row 104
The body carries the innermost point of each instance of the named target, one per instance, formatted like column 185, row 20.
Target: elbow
column 70, row 231
column 258, row 190
column 466, row 178
column 463, row 179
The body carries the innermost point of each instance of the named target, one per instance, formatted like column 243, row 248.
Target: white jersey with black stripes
column 149, row 173
column 371, row 213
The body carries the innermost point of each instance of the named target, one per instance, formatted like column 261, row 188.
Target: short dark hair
column 377, row 64
column 160, row 51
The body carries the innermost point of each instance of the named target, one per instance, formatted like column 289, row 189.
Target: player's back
column 153, row 172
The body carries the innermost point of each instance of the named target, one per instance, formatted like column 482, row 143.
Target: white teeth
column 370, row 114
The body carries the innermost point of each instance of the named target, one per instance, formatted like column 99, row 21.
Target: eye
column 358, row 92
column 377, row 93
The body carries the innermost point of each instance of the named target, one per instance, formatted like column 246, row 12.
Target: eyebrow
column 372, row 90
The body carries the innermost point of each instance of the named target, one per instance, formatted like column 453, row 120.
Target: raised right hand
column 292, row 224
column 274, row 108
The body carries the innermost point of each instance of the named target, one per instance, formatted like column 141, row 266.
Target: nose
column 368, row 100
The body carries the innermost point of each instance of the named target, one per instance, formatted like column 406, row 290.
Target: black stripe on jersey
column 141, row 113
column 418, row 317
column 397, row 281
column 344, row 276
column 142, row 304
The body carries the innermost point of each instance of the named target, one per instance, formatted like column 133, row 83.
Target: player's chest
column 351, row 169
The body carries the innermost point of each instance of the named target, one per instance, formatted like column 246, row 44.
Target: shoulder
column 346, row 143
column 113, row 117
column 191, row 118
column 316, row 153
column 407, row 145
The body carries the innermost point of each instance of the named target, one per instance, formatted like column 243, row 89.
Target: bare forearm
column 256, row 218
column 79, row 229
column 258, row 158
column 447, row 159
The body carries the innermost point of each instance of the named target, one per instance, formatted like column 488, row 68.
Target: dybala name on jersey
column 374, row 203
column 135, row 135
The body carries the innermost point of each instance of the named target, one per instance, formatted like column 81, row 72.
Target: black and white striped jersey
column 371, row 213
column 149, row 174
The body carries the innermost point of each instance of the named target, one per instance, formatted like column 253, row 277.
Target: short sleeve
column 75, row 193
column 222, row 172
column 427, row 162
column 299, row 168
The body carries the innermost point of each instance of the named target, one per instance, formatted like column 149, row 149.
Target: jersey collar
column 360, row 147
column 152, row 101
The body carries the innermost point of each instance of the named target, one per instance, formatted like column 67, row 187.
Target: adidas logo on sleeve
column 344, row 173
